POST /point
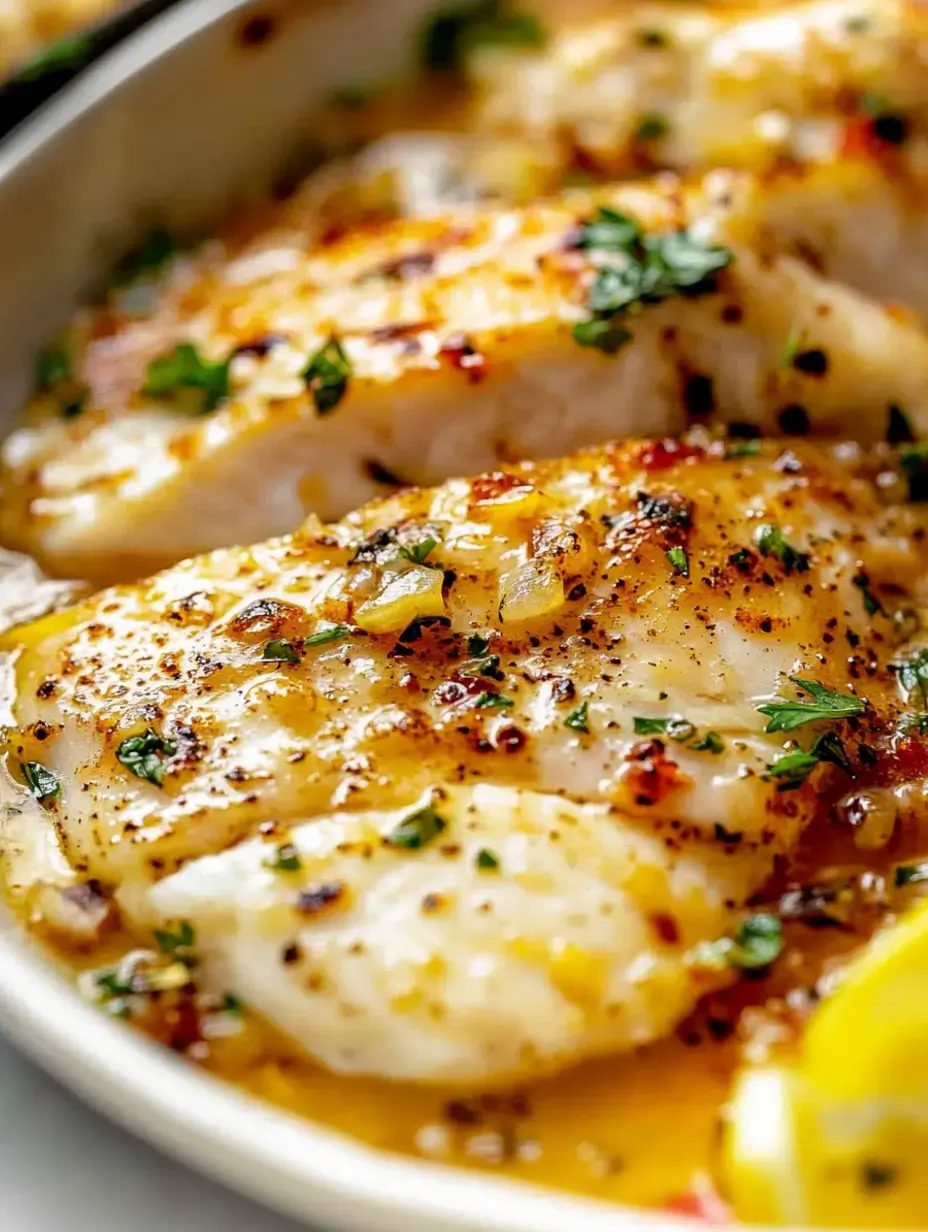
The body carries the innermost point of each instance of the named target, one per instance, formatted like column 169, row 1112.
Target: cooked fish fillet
column 336, row 360
column 691, row 85
column 303, row 748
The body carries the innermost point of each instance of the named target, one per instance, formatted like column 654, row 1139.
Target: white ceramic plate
column 124, row 142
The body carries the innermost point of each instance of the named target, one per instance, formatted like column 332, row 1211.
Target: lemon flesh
column 840, row 1139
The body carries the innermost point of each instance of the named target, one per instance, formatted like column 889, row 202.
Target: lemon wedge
column 840, row 1139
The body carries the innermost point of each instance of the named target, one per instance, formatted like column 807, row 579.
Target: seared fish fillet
column 314, row 376
column 690, row 85
column 451, row 789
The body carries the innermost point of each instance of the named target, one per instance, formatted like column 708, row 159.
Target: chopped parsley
column 417, row 830
column 185, row 369
column 493, row 701
column 451, row 34
column 770, row 541
column 605, row 336
column 481, row 663
column 910, row 874
column 419, row 553
column 909, row 723
column 144, row 755
column 609, row 231
column 231, row 1005
column 42, row 782
column 52, row 367
column 913, row 675
column 710, row 743
column 872, row 605
column 67, row 55
column 280, row 651
column 286, row 859
column 652, row 127
column 676, row 727
column 325, row 636
column 680, row 561
column 156, row 251
column 111, row 984
column 743, row 449
column 655, row 267
column 756, row 945
column 327, row 375
column 487, row 861
column 177, row 944
column 54, row 375
column 914, row 463
column 791, row 347
column 793, row 768
column 826, row 706
column 578, row 719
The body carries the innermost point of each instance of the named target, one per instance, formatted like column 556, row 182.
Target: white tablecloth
column 65, row 1169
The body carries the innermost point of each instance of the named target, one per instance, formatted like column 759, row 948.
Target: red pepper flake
column 651, row 774
column 462, row 355
column 661, row 455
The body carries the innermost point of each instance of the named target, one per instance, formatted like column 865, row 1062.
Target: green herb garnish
column 676, row 727
column 910, row 874
column 185, row 369
column 609, row 231
column 913, row 675
column 452, row 33
column 232, row 1005
column 173, row 942
column 419, row 553
column 655, row 268
column 493, row 701
column 144, row 755
column 67, row 55
column 913, row 461
column 793, row 768
column 416, row 830
column 826, row 706
column 487, row 861
column 327, row 375
column 680, row 561
column 42, row 782
column 286, row 859
column 710, row 743
column 578, row 719
column 280, row 651
column 743, row 449
column 325, row 636
column 605, row 336
column 756, row 945
column 652, row 128
column 51, row 368
column 770, row 541
column 152, row 255
column 872, row 605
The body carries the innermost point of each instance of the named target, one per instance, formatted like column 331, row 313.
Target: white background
column 65, row 1169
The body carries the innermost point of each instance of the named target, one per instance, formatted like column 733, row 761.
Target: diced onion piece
column 166, row 979
column 414, row 594
column 534, row 590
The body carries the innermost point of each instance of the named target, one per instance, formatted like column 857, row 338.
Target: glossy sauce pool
column 643, row 1129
